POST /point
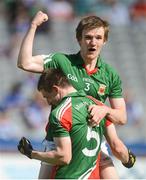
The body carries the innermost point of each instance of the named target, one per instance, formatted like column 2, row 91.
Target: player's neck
column 89, row 63
column 68, row 90
column 90, row 66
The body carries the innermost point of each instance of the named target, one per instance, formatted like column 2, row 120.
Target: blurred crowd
column 23, row 104
column 18, row 14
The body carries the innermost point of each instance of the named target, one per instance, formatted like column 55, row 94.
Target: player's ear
column 55, row 89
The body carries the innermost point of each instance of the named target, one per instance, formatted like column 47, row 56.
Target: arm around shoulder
column 117, row 113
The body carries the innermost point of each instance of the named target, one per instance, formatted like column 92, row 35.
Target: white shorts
column 105, row 159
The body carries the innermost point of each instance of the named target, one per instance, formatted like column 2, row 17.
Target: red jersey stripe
column 64, row 105
column 66, row 118
column 95, row 172
column 65, row 115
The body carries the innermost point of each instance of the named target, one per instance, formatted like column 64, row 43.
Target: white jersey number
column 92, row 135
column 87, row 88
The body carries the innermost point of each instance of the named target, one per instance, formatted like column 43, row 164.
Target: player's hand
column 131, row 161
column 39, row 18
column 25, row 147
column 97, row 113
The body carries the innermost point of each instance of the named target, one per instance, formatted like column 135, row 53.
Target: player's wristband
column 132, row 160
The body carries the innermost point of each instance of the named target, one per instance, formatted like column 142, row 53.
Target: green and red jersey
column 70, row 119
column 100, row 83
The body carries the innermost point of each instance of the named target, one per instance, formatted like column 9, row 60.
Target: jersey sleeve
column 103, row 125
column 108, row 123
column 115, row 86
column 61, row 121
column 56, row 60
column 50, row 61
column 56, row 128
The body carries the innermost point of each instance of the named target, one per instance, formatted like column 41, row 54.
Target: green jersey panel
column 70, row 118
column 101, row 84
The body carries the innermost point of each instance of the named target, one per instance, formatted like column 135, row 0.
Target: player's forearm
column 117, row 116
column 127, row 157
column 51, row 157
column 25, row 53
column 121, row 153
column 118, row 148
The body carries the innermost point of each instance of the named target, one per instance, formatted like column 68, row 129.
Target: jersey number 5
column 92, row 135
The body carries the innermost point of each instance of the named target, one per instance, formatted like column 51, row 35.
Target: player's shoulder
column 61, row 54
column 64, row 56
column 58, row 55
column 108, row 67
column 61, row 108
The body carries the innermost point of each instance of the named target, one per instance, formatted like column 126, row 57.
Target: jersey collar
column 90, row 72
column 81, row 62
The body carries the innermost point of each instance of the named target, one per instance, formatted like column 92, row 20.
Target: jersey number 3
column 87, row 88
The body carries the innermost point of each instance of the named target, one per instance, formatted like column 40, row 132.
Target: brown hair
column 91, row 22
column 52, row 77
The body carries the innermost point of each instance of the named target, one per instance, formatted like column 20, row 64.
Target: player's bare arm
column 26, row 60
column 60, row 156
column 119, row 150
column 117, row 147
column 116, row 113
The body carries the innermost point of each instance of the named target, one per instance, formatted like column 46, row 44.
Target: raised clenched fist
column 39, row 18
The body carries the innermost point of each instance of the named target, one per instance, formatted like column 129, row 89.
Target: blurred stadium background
column 24, row 113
